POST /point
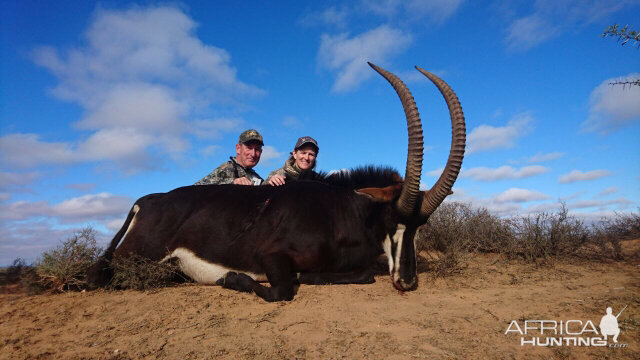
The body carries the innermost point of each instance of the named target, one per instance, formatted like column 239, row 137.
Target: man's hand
column 242, row 181
column 277, row 180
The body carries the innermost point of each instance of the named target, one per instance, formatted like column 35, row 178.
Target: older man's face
column 248, row 154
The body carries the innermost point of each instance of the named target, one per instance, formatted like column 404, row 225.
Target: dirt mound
column 462, row 316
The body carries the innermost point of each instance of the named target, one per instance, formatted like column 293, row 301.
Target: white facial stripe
column 396, row 268
column 202, row 271
column 397, row 239
column 386, row 245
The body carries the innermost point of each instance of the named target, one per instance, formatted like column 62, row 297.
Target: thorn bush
column 65, row 267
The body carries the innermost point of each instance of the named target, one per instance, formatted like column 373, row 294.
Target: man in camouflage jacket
column 239, row 170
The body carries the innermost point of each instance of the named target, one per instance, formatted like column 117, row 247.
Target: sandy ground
column 461, row 316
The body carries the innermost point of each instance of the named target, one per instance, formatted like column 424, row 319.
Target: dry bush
column 139, row 273
column 14, row 272
column 30, row 281
column 607, row 235
column 454, row 231
column 22, row 274
column 546, row 235
column 65, row 267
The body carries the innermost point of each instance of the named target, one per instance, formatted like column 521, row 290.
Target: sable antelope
column 330, row 230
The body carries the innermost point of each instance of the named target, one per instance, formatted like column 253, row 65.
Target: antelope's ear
column 385, row 194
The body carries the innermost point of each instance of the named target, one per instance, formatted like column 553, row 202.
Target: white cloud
column 140, row 106
column 94, row 206
column 332, row 16
column 115, row 224
column 486, row 137
column 613, row 106
column 140, row 77
column 83, row 208
column 153, row 46
column 115, row 143
column 30, row 239
column 211, row 129
column 435, row 172
column 26, row 150
column 546, row 208
column 599, row 203
column 519, row 195
column 348, row 56
column 123, row 145
column 510, row 203
column 540, row 157
column 81, row 187
column 503, row 209
column 437, row 11
column 209, row 150
column 497, row 208
column 608, row 191
column 578, row 175
column 12, row 180
column 20, row 210
column 572, row 196
column 595, row 216
column 527, row 32
column 551, row 18
column 291, row 122
column 503, row 172
column 269, row 153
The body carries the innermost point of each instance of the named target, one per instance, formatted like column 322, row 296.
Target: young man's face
column 248, row 154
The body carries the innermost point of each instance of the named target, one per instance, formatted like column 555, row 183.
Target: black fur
column 315, row 226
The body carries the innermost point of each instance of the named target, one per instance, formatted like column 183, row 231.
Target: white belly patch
column 202, row 271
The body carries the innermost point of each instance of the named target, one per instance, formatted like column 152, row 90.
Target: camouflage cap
column 306, row 140
column 250, row 135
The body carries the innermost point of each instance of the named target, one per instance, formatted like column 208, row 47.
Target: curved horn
column 458, row 138
column 411, row 187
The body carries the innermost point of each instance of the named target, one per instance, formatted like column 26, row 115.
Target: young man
column 239, row 170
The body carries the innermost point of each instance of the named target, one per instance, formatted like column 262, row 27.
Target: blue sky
column 101, row 103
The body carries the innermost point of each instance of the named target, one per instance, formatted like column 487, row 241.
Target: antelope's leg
column 279, row 274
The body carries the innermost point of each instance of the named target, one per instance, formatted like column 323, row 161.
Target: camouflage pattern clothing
column 290, row 171
column 229, row 171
